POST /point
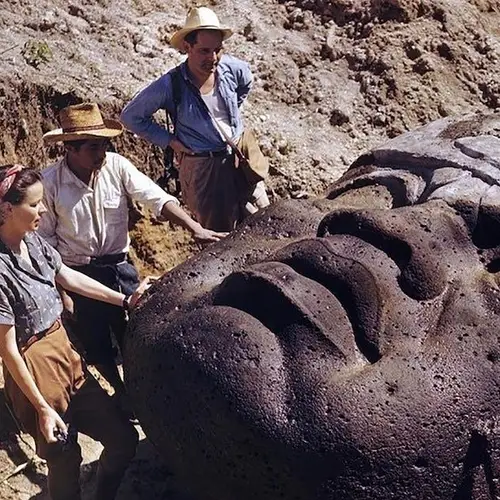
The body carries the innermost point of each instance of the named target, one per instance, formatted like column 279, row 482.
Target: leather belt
column 40, row 335
column 102, row 260
column 211, row 154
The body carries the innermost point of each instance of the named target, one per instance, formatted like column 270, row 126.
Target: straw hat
column 199, row 18
column 83, row 121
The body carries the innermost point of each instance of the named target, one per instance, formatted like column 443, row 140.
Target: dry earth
column 333, row 78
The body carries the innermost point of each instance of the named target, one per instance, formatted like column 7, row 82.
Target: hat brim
column 178, row 36
column 112, row 128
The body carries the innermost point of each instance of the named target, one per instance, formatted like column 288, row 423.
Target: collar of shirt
column 22, row 264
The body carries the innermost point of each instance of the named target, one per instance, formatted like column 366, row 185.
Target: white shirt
column 216, row 105
column 83, row 222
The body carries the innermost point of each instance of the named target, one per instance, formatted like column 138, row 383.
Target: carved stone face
column 339, row 348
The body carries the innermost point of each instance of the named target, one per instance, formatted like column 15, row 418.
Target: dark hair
column 75, row 144
column 191, row 37
column 22, row 181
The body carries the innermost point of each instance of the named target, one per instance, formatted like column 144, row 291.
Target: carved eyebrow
column 422, row 276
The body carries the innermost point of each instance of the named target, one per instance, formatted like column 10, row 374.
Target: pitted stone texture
column 339, row 348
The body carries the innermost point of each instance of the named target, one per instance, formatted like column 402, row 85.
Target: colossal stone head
column 344, row 347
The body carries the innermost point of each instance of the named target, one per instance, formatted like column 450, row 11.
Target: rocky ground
column 333, row 78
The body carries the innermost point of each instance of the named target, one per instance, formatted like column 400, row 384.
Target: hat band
column 84, row 128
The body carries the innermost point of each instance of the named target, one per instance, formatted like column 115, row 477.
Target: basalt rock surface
column 344, row 347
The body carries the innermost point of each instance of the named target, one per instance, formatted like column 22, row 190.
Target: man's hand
column 174, row 213
column 179, row 148
column 203, row 235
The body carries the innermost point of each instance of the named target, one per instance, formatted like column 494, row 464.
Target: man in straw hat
column 86, row 196
column 203, row 96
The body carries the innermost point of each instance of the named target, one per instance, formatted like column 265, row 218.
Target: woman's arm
column 81, row 284
column 48, row 419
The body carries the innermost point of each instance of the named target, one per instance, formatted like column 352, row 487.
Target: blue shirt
column 29, row 299
column 194, row 127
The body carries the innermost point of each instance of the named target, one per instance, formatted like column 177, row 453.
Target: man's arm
column 137, row 115
column 165, row 206
column 245, row 81
column 172, row 212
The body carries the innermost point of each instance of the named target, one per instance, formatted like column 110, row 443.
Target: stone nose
column 310, row 323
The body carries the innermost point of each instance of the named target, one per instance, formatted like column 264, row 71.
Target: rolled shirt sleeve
column 143, row 190
column 245, row 82
column 6, row 313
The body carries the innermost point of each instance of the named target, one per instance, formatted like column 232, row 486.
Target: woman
column 50, row 391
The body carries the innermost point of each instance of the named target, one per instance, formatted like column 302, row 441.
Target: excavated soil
column 333, row 78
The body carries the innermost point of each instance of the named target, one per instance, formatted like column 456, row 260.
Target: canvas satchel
column 253, row 164
column 249, row 158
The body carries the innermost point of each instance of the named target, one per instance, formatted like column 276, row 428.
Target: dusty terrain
column 333, row 78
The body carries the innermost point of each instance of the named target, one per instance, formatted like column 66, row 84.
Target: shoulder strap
column 228, row 139
column 176, row 80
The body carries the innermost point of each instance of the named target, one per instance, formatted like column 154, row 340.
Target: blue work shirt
column 194, row 127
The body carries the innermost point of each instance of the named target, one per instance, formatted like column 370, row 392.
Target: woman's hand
column 49, row 422
column 143, row 286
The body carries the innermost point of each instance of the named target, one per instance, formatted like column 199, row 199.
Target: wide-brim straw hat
column 199, row 18
column 83, row 121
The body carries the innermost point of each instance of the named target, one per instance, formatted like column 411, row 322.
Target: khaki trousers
column 217, row 193
column 212, row 191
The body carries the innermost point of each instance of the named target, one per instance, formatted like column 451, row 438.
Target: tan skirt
column 58, row 372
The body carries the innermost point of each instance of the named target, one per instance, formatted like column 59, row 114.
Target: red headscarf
column 9, row 178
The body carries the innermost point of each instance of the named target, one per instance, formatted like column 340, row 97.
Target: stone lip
column 339, row 347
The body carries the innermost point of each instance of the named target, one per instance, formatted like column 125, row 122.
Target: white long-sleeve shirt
column 83, row 221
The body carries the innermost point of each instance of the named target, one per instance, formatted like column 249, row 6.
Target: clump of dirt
column 332, row 79
column 159, row 246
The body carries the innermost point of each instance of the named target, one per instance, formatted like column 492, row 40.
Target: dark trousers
column 94, row 321
column 92, row 412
